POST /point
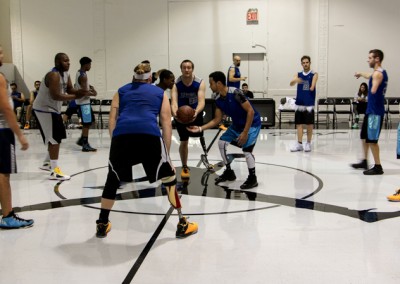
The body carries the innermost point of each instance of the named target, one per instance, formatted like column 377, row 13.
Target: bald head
column 236, row 60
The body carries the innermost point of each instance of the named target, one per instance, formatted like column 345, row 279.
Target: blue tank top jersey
column 139, row 106
column 237, row 75
column 305, row 97
column 231, row 105
column 187, row 95
column 376, row 102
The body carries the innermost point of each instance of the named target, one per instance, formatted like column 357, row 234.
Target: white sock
column 47, row 158
column 53, row 164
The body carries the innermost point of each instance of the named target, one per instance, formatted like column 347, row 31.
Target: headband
column 144, row 76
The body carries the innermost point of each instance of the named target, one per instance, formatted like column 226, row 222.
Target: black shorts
column 128, row 150
column 364, row 130
column 51, row 127
column 8, row 164
column 70, row 111
column 85, row 112
column 304, row 117
column 184, row 134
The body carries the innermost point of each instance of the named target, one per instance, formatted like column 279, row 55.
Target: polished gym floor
column 312, row 219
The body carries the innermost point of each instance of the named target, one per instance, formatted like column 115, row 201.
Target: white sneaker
column 307, row 147
column 46, row 166
column 57, row 174
column 296, row 147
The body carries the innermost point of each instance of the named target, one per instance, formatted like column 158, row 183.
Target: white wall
column 120, row 33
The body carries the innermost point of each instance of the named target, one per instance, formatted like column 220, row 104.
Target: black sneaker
column 102, row 229
column 79, row 142
column 88, row 148
column 361, row 165
column 226, row 175
column 375, row 170
column 249, row 183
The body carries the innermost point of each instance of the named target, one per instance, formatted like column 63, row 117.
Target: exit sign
column 252, row 16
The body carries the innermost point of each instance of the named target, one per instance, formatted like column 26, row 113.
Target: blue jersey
column 17, row 103
column 231, row 105
column 305, row 97
column 376, row 102
column 188, row 95
column 139, row 106
column 236, row 75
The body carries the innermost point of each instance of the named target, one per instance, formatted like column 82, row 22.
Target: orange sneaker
column 185, row 228
column 395, row 196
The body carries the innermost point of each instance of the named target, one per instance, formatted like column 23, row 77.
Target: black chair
column 344, row 106
column 284, row 111
column 95, row 103
column 392, row 107
column 326, row 107
column 105, row 107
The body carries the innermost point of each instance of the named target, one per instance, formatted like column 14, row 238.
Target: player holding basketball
column 243, row 132
column 188, row 90
column 136, row 139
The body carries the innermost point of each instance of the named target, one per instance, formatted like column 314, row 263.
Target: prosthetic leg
column 184, row 228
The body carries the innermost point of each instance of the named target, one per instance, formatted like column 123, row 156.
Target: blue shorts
column 231, row 135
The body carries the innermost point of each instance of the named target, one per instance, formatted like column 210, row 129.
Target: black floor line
column 145, row 251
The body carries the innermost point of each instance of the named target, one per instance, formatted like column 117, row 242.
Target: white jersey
column 44, row 102
column 3, row 121
column 86, row 99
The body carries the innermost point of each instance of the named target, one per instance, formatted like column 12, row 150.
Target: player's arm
column 242, row 139
column 83, row 82
column 314, row 82
column 296, row 80
column 52, row 81
column 114, row 110
column 231, row 76
column 79, row 93
column 377, row 78
column 201, row 95
column 31, row 98
column 165, row 120
column 365, row 75
column 211, row 124
column 9, row 114
column 174, row 100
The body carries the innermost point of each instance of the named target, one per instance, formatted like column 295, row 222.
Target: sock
column 53, row 164
column 252, row 171
column 228, row 167
column 47, row 158
column 10, row 214
column 104, row 213
column 85, row 140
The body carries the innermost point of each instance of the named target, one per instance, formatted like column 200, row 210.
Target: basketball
column 185, row 114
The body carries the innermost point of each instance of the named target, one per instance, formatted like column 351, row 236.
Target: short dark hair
column 145, row 61
column 244, row 84
column 165, row 74
column 37, row 82
column 14, row 84
column 85, row 60
column 218, row 76
column 187, row 61
column 377, row 53
column 305, row 57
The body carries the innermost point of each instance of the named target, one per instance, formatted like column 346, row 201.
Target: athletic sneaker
column 57, row 174
column 395, row 196
column 375, row 170
column 79, row 142
column 307, row 147
column 185, row 228
column 102, row 229
column 250, row 182
column 361, row 165
column 27, row 126
column 46, row 166
column 12, row 221
column 355, row 126
column 297, row 147
column 185, row 173
column 222, row 127
column 88, row 148
column 228, row 174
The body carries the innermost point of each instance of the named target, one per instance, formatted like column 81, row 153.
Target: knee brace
column 173, row 197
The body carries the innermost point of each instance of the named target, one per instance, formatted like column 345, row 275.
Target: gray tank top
column 3, row 122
